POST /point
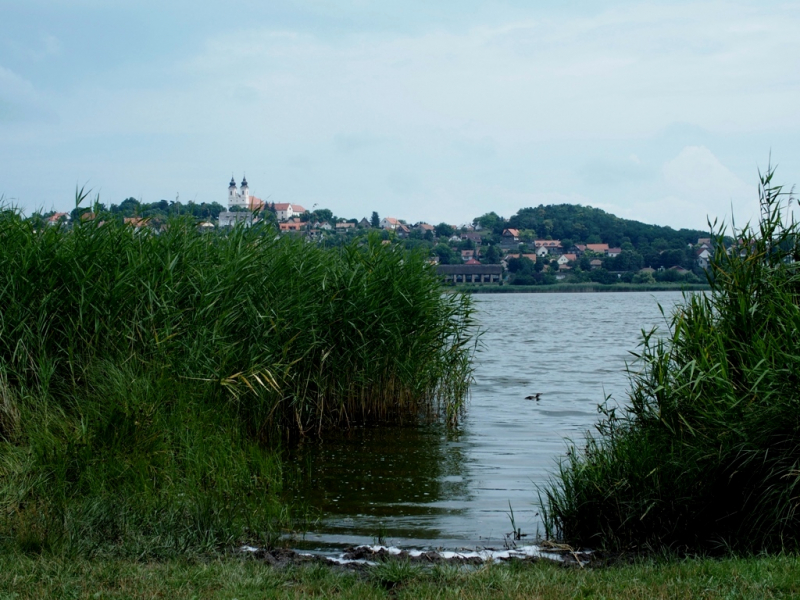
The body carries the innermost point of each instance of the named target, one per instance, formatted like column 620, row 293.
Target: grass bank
column 706, row 456
column 148, row 379
column 762, row 578
column 578, row 288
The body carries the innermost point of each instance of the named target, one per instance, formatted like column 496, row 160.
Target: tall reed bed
column 706, row 456
column 145, row 379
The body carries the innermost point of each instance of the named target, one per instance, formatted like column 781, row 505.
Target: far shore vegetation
column 540, row 246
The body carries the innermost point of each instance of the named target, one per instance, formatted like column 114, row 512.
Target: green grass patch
column 762, row 578
column 706, row 456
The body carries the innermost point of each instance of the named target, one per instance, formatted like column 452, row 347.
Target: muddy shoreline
column 363, row 557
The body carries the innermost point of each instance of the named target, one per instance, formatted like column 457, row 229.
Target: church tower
column 245, row 196
column 233, row 195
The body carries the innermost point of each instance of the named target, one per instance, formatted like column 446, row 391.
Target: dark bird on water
column 533, row 397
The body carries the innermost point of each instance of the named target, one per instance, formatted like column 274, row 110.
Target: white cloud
column 699, row 178
column 19, row 100
column 696, row 187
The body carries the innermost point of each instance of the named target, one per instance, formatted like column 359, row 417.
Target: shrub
column 706, row 455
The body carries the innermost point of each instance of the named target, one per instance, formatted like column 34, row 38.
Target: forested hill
column 589, row 225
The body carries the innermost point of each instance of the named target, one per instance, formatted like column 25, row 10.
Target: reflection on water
column 426, row 486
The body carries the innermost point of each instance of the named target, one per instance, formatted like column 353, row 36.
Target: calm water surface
column 429, row 487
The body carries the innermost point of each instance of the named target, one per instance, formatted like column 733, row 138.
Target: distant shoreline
column 579, row 288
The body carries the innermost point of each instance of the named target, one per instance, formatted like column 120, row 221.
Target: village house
column 613, row 252
column 541, row 251
column 423, row 227
column 467, row 254
column 703, row 258
column 566, row 258
column 364, row 223
column 345, row 226
column 58, row 218
column 285, row 211
column 403, row 231
column 531, row 257
column 389, row 223
column 596, row 264
column 294, row 225
column 472, row 237
column 509, row 239
column 552, row 246
column 597, row 248
column 136, row 222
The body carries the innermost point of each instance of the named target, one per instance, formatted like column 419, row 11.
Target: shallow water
column 429, row 487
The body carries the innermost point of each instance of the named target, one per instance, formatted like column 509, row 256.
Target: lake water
column 430, row 487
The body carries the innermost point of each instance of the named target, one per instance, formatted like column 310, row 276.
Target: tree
column 626, row 261
column 489, row 221
column 643, row 278
column 444, row 230
column 521, row 266
column 375, row 220
column 602, row 276
column 446, row 256
column 467, row 244
column 323, row 214
column 491, row 256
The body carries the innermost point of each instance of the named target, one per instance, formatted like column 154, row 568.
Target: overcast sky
column 662, row 112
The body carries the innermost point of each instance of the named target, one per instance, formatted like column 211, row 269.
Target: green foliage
column 594, row 226
column 490, row 221
column 491, row 256
column 444, row 230
column 646, row 278
column 706, row 455
column 446, row 255
column 757, row 578
column 146, row 380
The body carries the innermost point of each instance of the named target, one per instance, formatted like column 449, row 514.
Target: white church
column 241, row 206
column 242, row 199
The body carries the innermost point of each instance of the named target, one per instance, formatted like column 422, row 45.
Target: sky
column 662, row 112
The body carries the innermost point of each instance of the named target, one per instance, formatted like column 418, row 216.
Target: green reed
column 147, row 378
column 706, row 455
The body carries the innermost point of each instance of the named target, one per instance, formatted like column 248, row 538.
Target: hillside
column 585, row 224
